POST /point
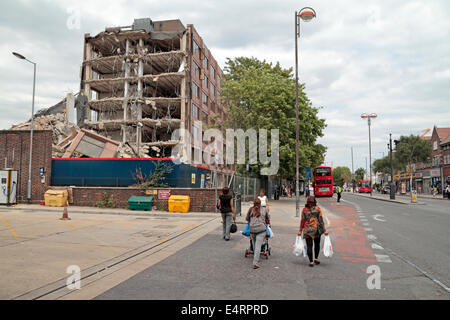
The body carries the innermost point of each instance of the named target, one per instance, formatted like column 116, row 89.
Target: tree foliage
column 260, row 95
column 384, row 164
column 341, row 175
column 359, row 174
column 412, row 149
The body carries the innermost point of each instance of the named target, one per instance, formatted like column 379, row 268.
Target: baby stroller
column 265, row 249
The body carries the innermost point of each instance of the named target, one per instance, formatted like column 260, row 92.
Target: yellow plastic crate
column 56, row 198
column 179, row 203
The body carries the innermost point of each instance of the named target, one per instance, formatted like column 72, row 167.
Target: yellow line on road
column 10, row 228
column 123, row 224
column 68, row 224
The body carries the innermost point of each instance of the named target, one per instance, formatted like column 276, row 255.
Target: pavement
column 402, row 248
column 211, row 268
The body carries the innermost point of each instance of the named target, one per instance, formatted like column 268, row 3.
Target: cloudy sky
column 387, row 57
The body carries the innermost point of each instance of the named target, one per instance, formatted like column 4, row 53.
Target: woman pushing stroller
column 258, row 222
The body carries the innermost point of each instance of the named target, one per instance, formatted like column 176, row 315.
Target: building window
column 205, row 82
column 218, row 81
column 194, row 133
column 195, row 91
column 205, row 63
column 197, row 70
column 435, row 145
column 194, row 111
column 196, row 50
column 204, row 117
column 213, row 73
column 204, row 98
column 212, row 90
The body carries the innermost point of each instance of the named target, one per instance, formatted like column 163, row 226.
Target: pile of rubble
column 57, row 123
column 64, row 133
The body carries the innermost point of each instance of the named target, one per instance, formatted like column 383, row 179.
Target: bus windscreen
column 323, row 172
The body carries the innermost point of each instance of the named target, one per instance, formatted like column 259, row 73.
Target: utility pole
column 392, row 188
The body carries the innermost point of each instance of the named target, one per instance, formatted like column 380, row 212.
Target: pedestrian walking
column 307, row 191
column 313, row 226
column 434, row 192
column 339, row 192
column 264, row 201
column 447, row 191
column 225, row 205
column 257, row 227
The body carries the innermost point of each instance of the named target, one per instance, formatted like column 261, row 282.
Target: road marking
column 368, row 229
column 364, row 220
column 10, row 228
column 376, row 246
column 366, row 224
column 376, row 217
column 68, row 224
column 124, row 224
column 371, row 237
column 383, row 258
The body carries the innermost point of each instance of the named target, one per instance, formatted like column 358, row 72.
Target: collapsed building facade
column 146, row 80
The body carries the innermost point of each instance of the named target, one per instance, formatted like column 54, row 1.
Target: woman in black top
column 225, row 204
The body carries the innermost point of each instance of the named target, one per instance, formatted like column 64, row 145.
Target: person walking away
column 338, row 191
column 258, row 222
column 264, row 201
column 313, row 226
column 307, row 191
column 225, row 205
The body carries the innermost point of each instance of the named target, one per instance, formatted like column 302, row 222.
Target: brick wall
column 201, row 200
column 15, row 153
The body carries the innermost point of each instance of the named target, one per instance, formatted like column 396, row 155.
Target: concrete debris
column 70, row 141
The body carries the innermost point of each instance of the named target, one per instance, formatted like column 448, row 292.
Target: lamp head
column 18, row 55
column 373, row 115
column 364, row 116
column 307, row 14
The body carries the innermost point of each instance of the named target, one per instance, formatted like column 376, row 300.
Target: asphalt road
column 403, row 238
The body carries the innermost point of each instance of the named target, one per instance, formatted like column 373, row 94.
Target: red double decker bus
column 323, row 181
column 364, row 186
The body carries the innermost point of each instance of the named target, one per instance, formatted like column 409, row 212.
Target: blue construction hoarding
column 121, row 172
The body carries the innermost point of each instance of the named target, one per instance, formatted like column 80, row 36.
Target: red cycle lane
column 350, row 238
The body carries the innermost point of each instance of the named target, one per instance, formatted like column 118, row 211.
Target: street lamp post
column 392, row 188
column 370, row 116
column 18, row 55
column 306, row 14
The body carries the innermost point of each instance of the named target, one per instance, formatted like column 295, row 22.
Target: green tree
column 410, row 150
column 260, row 95
column 359, row 174
column 384, row 164
column 341, row 175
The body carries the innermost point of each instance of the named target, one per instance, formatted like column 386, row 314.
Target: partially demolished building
column 145, row 80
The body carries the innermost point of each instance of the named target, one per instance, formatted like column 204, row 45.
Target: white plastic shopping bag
column 299, row 247
column 327, row 247
column 270, row 231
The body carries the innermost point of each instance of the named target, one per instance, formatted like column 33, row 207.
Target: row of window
column 206, row 64
column 196, row 92
column 447, row 159
column 195, row 113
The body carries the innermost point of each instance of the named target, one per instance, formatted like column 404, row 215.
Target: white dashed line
column 368, row 229
column 371, row 237
column 376, row 246
column 383, row 258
